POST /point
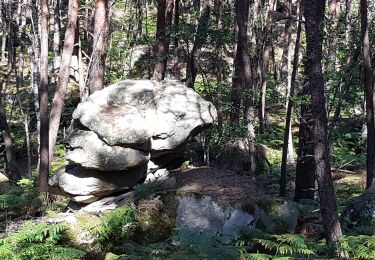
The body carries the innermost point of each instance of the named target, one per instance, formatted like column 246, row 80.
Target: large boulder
column 360, row 210
column 129, row 129
column 89, row 151
column 76, row 181
column 134, row 112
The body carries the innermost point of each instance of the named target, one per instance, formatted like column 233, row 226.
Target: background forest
column 293, row 83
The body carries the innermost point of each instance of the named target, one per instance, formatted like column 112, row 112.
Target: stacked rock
column 127, row 133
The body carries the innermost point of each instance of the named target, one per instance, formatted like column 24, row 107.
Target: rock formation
column 127, row 132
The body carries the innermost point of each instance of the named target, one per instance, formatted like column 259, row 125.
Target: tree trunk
column 12, row 165
column 176, row 22
column 100, row 46
column 139, row 18
column 59, row 98
column 57, row 29
column 34, row 53
column 369, row 93
column 265, row 65
column 163, row 31
column 287, row 131
column 314, row 15
column 285, row 58
column 333, row 24
column 43, row 103
column 305, row 168
column 241, row 54
column 200, row 39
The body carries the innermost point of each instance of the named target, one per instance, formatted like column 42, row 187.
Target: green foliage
column 205, row 244
column 284, row 245
column 112, row 227
column 19, row 199
column 37, row 241
column 359, row 247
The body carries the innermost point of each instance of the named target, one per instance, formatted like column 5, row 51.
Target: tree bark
column 285, row 60
column 265, row 65
column 369, row 94
column 100, row 46
column 59, row 98
column 200, row 39
column 139, row 18
column 163, row 31
column 176, row 22
column 334, row 7
column 287, row 131
column 13, row 170
column 241, row 55
column 43, row 102
column 314, row 15
column 57, row 28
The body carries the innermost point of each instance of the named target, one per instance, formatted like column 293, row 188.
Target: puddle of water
column 202, row 212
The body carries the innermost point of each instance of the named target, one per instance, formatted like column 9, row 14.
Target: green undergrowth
column 20, row 199
column 38, row 241
column 255, row 244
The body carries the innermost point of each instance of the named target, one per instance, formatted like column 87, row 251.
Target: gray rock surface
column 79, row 181
column 88, row 150
column 135, row 111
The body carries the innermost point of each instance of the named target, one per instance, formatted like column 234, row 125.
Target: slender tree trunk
column 59, row 98
column 100, row 46
column 314, row 15
column 369, row 93
column 44, row 153
column 334, row 7
column 139, row 18
column 12, row 165
column 287, row 131
column 285, row 60
column 200, row 39
column 34, row 52
column 176, row 23
column 3, row 41
column 265, row 65
column 57, row 28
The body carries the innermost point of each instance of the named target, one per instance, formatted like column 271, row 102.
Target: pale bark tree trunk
column 287, row 133
column 44, row 153
column 334, row 7
column 285, row 73
column 100, row 45
column 200, row 39
column 285, row 58
column 314, row 16
column 265, row 65
column 369, row 93
column 63, row 81
column 34, row 52
column 57, row 28
column 4, row 31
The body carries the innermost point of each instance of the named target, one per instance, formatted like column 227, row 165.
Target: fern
column 359, row 247
column 37, row 241
column 111, row 230
column 284, row 245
